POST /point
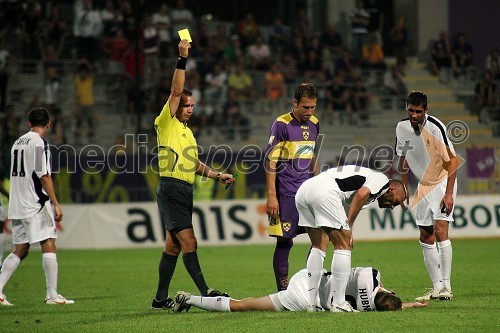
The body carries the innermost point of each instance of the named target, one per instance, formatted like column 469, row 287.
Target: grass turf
column 113, row 290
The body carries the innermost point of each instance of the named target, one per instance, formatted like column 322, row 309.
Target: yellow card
column 184, row 34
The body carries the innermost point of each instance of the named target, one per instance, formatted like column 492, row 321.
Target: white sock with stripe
column 314, row 272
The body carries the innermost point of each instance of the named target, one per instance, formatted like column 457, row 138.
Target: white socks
column 445, row 255
column 9, row 265
column 2, row 239
column 314, row 272
column 50, row 267
column 210, row 303
column 432, row 262
column 341, row 268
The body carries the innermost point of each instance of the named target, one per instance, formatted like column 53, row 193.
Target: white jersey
column 30, row 160
column 425, row 152
column 363, row 285
column 348, row 179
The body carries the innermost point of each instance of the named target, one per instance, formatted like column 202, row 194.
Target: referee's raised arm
column 179, row 77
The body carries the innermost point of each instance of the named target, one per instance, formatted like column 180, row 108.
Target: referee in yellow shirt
column 178, row 164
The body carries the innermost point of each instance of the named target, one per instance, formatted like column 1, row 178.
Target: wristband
column 218, row 176
column 181, row 63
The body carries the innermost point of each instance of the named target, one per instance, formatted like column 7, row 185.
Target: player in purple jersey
column 290, row 160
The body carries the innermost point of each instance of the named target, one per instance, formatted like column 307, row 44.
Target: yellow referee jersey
column 177, row 148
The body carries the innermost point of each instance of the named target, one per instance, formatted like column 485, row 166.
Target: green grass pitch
column 113, row 291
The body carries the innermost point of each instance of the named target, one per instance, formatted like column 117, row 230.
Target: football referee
column 178, row 163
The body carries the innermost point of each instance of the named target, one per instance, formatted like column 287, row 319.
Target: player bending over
column 364, row 291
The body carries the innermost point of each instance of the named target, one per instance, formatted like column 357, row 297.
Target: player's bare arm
column 415, row 305
column 360, row 198
column 48, row 186
column 178, row 79
column 452, row 176
column 403, row 170
column 272, row 201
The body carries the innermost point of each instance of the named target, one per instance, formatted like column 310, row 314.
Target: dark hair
column 305, row 90
column 38, row 117
column 417, row 98
column 386, row 301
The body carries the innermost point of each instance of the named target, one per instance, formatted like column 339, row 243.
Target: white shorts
column 319, row 204
column 35, row 229
column 294, row 298
column 428, row 205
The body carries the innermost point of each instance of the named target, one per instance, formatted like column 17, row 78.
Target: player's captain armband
column 274, row 228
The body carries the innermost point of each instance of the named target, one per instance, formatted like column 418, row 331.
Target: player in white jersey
column 3, row 213
column 328, row 205
column 33, row 205
column 364, row 292
column 423, row 146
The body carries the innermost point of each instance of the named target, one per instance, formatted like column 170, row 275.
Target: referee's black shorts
column 175, row 202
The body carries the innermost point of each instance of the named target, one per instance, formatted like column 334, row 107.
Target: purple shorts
column 289, row 218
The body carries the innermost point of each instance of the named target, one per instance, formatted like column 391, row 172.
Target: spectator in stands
column 54, row 28
column 129, row 23
column 29, row 23
column 87, row 29
column 219, row 42
column 58, row 127
column 338, row 99
column 298, row 49
column 301, row 26
column 248, row 29
column 486, row 97
column 204, row 41
column 375, row 9
column 399, row 39
column 150, row 45
column 275, row 83
column 372, row 56
column 216, row 85
column 442, row 57
column 240, row 82
column 163, row 23
column 182, row 18
column 311, row 67
column 84, row 99
column 5, row 62
column 493, row 63
column 462, row 52
column 117, row 47
column 235, row 118
column 394, row 86
column 209, row 117
column 332, row 41
column 204, row 65
column 361, row 98
column 233, row 53
column 288, row 67
column 193, row 84
column 279, row 36
column 345, row 66
column 259, row 54
column 112, row 18
column 360, row 19
column 51, row 67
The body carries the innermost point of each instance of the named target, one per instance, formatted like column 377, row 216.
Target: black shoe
column 164, row 304
column 181, row 301
column 216, row 293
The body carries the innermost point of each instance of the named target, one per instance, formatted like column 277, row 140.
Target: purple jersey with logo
column 291, row 145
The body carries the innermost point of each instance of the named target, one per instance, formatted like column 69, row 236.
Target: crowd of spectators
column 237, row 69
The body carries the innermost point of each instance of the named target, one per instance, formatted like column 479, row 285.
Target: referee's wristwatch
column 218, row 176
